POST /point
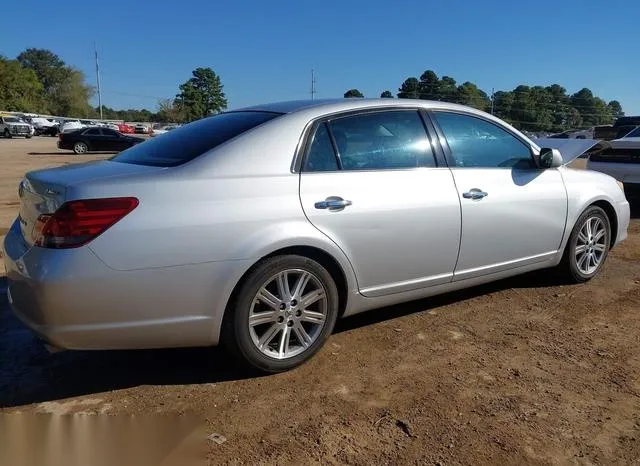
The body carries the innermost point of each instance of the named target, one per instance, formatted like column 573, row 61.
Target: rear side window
column 321, row 156
column 92, row 132
column 382, row 141
column 190, row 141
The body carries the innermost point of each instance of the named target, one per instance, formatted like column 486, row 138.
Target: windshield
column 190, row 141
column 634, row 134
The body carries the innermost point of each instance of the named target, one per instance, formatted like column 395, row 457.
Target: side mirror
column 550, row 158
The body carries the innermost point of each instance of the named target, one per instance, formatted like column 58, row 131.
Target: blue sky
column 264, row 50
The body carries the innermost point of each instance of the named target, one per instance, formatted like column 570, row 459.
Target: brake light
column 77, row 223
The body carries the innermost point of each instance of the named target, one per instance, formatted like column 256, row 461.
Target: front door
column 370, row 183
column 113, row 141
column 513, row 213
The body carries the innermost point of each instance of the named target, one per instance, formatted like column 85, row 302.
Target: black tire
column 235, row 333
column 29, row 136
column 7, row 134
column 568, row 270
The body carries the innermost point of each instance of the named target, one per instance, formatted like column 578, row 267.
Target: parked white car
column 621, row 160
column 41, row 124
column 162, row 130
column 13, row 126
column 71, row 125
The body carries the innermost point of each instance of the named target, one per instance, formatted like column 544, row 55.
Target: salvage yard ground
column 515, row 372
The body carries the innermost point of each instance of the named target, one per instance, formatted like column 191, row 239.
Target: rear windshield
column 190, row 141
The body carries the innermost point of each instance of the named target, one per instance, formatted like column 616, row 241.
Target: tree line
column 531, row 108
column 39, row 81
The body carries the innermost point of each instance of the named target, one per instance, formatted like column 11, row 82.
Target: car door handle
column 475, row 194
column 332, row 203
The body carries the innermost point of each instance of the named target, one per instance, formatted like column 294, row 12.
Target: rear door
column 94, row 139
column 513, row 213
column 370, row 182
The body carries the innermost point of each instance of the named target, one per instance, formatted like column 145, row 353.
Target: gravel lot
column 515, row 372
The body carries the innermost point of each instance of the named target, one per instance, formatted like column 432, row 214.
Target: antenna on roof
column 98, row 79
column 313, row 84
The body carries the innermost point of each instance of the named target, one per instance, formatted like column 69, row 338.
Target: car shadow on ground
column 30, row 374
column 69, row 153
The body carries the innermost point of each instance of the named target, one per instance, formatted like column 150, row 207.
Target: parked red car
column 126, row 129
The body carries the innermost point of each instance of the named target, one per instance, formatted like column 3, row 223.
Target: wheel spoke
column 284, row 342
column 301, row 284
column 580, row 249
column 283, row 286
column 582, row 237
column 310, row 298
column 599, row 235
column 599, row 247
column 268, row 298
column 582, row 260
column 268, row 336
column 313, row 317
column 262, row 318
column 301, row 333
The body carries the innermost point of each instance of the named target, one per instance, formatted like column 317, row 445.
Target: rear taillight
column 60, row 135
column 76, row 223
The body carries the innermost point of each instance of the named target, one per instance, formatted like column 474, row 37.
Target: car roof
column 331, row 105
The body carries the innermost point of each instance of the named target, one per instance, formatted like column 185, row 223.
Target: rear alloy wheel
column 7, row 134
column 80, row 148
column 588, row 246
column 285, row 310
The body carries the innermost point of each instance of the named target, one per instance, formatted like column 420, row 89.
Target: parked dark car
column 85, row 140
column 609, row 132
column 628, row 121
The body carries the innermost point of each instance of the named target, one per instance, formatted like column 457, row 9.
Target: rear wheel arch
column 322, row 257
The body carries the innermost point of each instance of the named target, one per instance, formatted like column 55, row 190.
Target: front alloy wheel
column 588, row 246
column 283, row 312
column 591, row 245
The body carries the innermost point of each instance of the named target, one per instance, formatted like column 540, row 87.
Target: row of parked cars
column 29, row 126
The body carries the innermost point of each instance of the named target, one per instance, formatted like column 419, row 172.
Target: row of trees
column 39, row 81
column 533, row 108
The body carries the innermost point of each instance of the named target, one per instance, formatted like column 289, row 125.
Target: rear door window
column 382, row 141
column 190, row 141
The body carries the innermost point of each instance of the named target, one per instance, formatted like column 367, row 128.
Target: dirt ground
column 516, row 372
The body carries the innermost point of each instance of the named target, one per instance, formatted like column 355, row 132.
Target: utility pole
column 313, row 84
column 98, row 79
column 492, row 99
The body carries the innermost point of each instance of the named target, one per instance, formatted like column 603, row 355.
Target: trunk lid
column 44, row 191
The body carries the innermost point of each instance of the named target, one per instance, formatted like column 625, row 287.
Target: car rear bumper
column 65, row 145
column 72, row 300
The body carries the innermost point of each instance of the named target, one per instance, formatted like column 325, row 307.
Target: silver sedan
column 260, row 227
